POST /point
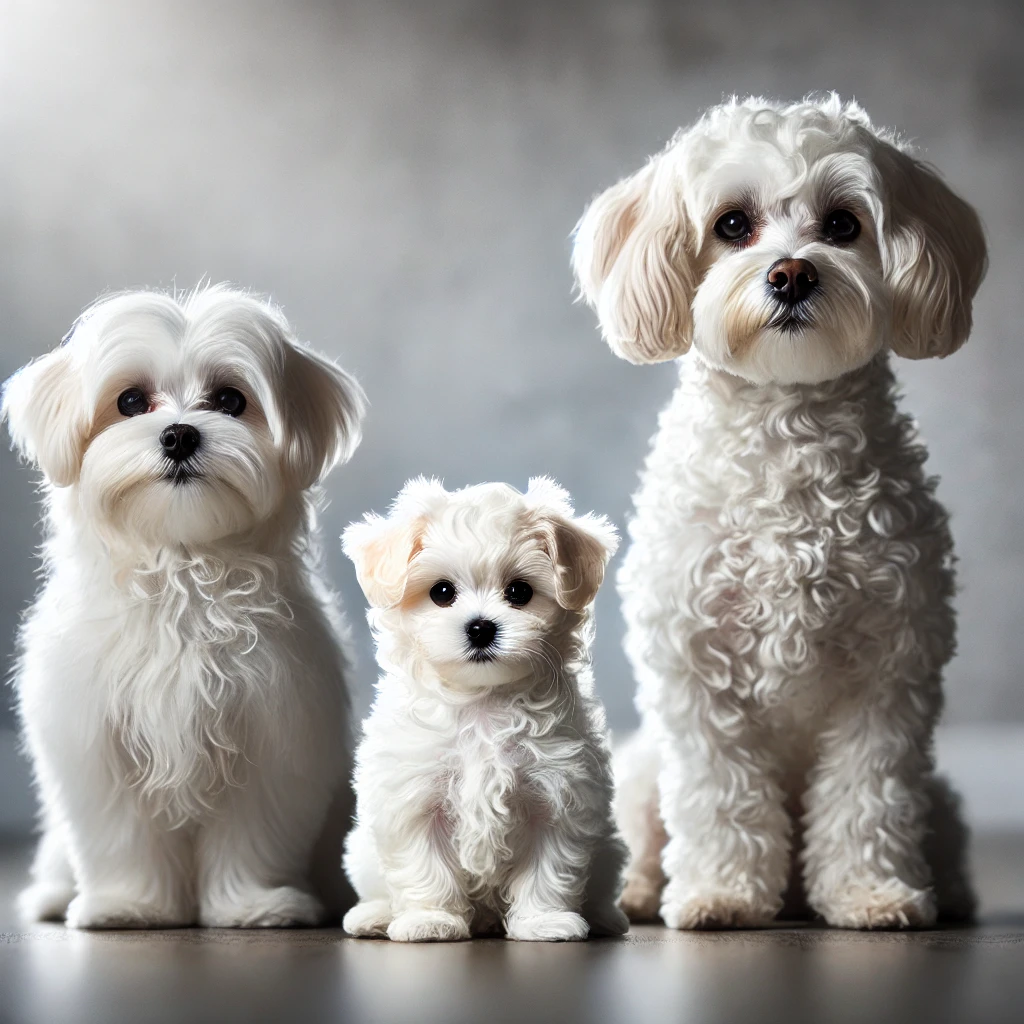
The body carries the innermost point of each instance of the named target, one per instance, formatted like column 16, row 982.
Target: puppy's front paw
column 716, row 908
column 369, row 920
column 45, row 901
column 889, row 904
column 283, row 907
column 552, row 926
column 98, row 910
column 641, row 900
column 428, row 926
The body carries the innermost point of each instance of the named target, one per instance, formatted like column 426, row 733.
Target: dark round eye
column 518, row 593
column 841, row 226
column 133, row 402
column 733, row 226
column 442, row 593
column 229, row 400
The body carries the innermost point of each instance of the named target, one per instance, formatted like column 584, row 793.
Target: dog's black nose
column 481, row 633
column 792, row 280
column 179, row 441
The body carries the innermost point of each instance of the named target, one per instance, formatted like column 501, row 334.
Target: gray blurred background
column 403, row 177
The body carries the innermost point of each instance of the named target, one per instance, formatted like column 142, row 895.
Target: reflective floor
column 801, row 974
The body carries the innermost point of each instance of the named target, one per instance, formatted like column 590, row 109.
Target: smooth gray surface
column 403, row 177
column 796, row 975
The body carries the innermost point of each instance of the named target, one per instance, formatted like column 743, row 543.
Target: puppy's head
column 786, row 244
column 183, row 421
column 484, row 584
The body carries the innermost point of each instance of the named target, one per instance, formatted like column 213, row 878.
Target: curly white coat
column 788, row 589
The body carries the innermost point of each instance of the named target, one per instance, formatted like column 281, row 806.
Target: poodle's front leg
column 866, row 815
column 727, row 857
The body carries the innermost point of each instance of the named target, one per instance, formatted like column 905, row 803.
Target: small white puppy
column 483, row 782
column 787, row 591
column 182, row 680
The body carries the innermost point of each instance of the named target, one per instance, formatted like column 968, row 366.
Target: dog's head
column 787, row 244
column 183, row 421
column 481, row 584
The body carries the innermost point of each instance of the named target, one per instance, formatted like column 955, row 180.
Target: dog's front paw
column 283, row 907
column 98, row 910
column 45, row 901
column 716, row 908
column 369, row 920
column 551, row 926
column 888, row 904
column 641, row 900
column 428, row 926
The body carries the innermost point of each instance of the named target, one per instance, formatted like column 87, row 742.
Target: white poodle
column 788, row 588
column 182, row 680
column 483, row 781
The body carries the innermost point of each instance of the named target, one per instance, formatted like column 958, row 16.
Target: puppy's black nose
column 481, row 633
column 792, row 280
column 179, row 441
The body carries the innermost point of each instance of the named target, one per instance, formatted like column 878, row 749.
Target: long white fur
column 787, row 592
column 182, row 681
column 483, row 790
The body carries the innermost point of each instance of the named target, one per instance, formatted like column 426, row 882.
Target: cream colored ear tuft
column 579, row 547
column 934, row 257
column 46, row 413
column 632, row 265
column 381, row 550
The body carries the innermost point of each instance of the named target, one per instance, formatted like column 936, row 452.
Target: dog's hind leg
column 946, row 850
column 53, row 882
column 635, row 766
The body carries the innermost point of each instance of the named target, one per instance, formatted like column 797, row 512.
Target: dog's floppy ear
column 579, row 546
column 45, row 408
column 933, row 255
column 321, row 414
column 632, row 266
column 381, row 549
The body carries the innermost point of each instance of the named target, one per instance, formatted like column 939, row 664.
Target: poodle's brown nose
column 792, row 280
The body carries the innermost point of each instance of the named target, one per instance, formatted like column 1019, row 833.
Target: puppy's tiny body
column 182, row 680
column 483, row 787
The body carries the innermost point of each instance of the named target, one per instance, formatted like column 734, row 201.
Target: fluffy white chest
column 488, row 799
column 182, row 667
column 781, row 537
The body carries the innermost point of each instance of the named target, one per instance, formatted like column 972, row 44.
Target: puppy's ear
column 933, row 256
column 578, row 546
column 381, row 550
column 45, row 408
column 632, row 266
column 321, row 414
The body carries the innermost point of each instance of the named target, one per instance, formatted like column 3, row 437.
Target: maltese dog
column 788, row 588
column 483, row 782
column 182, row 679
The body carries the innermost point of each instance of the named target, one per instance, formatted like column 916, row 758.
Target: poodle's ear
column 579, row 546
column 933, row 256
column 382, row 549
column 45, row 408
column 633, row 267
column 321, row 414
